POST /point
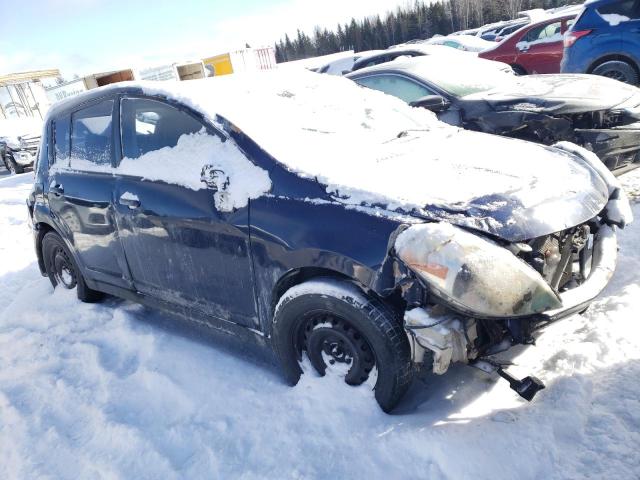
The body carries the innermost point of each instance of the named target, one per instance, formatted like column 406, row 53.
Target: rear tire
column 13, row 167
column 62, row 269
column 335, row 322
column 618, row 70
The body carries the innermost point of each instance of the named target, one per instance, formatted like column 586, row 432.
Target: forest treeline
column 414, row 21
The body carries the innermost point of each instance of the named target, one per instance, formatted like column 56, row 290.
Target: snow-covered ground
column 114, row 390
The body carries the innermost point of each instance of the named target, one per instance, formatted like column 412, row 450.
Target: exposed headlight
column 474, row 274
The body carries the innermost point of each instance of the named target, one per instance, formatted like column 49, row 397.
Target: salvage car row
column 334, row 222
column 600, row 37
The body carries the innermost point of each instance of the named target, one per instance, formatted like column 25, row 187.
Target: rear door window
column 149, row 125
column 616, row 12
column 91, row 134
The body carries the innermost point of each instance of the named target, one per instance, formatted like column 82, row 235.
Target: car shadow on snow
column 432, row 398
column 253, row 351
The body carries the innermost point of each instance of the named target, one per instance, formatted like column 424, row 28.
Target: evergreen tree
column 419, row 20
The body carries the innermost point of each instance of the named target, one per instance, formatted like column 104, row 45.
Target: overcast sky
column 87, row 36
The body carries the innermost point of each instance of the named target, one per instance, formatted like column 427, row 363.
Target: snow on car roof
column 423, row 48
column 372, row 148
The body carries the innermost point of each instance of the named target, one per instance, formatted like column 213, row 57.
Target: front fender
column 318, row 237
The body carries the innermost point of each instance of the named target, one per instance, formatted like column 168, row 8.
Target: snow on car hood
column 509, row 188
column 370, row 149
column 564, row 93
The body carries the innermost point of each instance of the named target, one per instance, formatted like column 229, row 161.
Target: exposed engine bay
column 613, row 135
column 503, row 291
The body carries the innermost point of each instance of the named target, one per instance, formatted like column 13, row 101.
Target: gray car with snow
column 597, row 113
column 348, row 231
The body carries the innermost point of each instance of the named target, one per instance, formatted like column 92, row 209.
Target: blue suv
column 605, row 40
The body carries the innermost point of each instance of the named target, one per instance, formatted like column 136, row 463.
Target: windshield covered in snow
column 303, row 118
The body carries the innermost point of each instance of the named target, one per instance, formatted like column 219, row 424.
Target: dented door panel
column 181, row 249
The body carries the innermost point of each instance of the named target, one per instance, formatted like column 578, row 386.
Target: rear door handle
column 129, row 200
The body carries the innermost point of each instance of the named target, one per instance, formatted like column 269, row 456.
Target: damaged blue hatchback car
column 330, row 222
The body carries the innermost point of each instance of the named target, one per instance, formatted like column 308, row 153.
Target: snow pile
column 631, row 184
column 114, row 390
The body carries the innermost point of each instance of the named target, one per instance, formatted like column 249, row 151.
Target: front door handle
column 130, row 200
column 56, row 189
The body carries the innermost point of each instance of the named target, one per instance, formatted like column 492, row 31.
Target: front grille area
column 598, row 119
column 561, row 258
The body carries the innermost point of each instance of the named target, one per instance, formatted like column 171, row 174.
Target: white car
column 420, row 50
column 466, row 43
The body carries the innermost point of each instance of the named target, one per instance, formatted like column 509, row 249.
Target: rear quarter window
column 617, row 11
column 91, row 134
column 61, row 127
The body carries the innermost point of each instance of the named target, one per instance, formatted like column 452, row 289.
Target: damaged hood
column 508, row 188
column 559, row 94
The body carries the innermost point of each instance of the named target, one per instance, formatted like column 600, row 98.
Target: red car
column 536, row 48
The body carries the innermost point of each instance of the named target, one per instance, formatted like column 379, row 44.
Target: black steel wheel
column 617, row 70
column 341, row 328
column 63, row 270
column 62, row 267
column 332, row 343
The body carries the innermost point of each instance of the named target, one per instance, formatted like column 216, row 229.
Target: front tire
column 337, row 325
column 62, row 269
column 12, row 166
column 618, row 70
column 518, row 70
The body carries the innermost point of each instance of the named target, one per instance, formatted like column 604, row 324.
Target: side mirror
column 435, row 103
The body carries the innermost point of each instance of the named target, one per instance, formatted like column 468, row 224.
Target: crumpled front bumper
column 618, row 148
column 451, row 339
column 603, row 265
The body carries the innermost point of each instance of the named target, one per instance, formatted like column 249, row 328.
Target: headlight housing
column 473, row 274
